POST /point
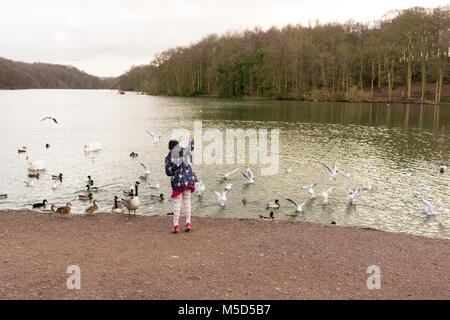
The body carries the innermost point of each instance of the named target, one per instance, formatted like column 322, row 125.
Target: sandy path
column 219, row 259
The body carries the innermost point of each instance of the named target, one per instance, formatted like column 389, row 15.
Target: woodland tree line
column 21, row 75
column 333, row 61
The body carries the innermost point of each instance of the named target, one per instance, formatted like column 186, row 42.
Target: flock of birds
column 36, row 168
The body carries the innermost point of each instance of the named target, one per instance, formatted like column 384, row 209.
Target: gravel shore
column 219, row 259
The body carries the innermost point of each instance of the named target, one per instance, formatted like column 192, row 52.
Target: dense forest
column 20, row 75
column 335, row 62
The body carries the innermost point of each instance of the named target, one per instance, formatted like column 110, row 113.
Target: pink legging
column 177, row 206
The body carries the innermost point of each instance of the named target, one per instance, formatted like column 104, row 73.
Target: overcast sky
column 107, row 37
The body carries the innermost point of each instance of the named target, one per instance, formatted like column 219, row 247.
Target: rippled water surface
column 395, row 138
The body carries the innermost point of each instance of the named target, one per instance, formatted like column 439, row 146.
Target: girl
column 182, row 180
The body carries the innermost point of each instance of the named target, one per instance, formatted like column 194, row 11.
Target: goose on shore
column 118, row 206
column 134, row 202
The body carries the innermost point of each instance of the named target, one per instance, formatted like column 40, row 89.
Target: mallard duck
column 269, row 217
column 133, row 154
column 134, row 202
column 3, row 196
column 90, row 181
column 160, row 197
column 38, row 165
column 22, row 149
column 275, row 205
column 91, row 189
column 47, row 145
column 62, row 210
column 85, row 197
column 332, row 222
column 92, row 209
column 117, row 207
column 33, row 175
column 58, row 177
column 43, row 204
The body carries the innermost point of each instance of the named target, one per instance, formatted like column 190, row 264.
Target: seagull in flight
column 227, row 174
column 310, row 189
column 146, row 168
column 298, row 206
column 333, row 171
column 221, row 197
column 326, row 193
column 200, row 187
column 430, row 210
column 228, row 186
column 352, row 195
column 155, row 138
column 49, row 118
column 249, row 176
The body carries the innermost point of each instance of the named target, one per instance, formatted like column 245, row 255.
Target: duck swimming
column 42, row 204
column 3, row 196
column 269, row 217
column 22, row 149
column 90, row 181
column 85, row 197
column 38, row 165
column 160, row 197
column 91, row 189
column 442, row 169
column 133, row 154
column 33, row 175
column 58, row 177
column 244, row 201
column 275, row 205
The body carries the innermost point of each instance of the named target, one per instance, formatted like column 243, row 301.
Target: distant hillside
column 21, row 75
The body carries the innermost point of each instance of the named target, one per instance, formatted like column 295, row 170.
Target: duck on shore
column 92, row 209
column 62, row 210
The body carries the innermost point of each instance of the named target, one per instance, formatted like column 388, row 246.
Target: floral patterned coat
column 178, row 168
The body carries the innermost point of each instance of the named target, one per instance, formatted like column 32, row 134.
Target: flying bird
column 333, row 171
column 326, row 193
column 200, row 187
column 155, row 138
column 249, row 176
column 310, row 188
column 430, row 210
column 298, row 206
column 49, row 118
column 352, row 195
column 227, row 174
column 146, row 168
column 221, row 197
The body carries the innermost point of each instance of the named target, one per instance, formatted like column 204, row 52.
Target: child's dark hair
column 172, row 144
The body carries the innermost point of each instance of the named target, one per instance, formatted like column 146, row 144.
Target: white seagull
column 155, row 138
column 29, row 183
column 49, row 118
column 287, row 170
column 221, row 197
column 200, row 187
column 310, row 189
column 249, row 176
column 326, row 193
column 352, row 195
column 333, row 171
column 228, row 186
column 347, row 175
column 227, row 174
column 147, row 169
column 154, row 185
column 425, row 188
column 430, row 210
column 298, row 206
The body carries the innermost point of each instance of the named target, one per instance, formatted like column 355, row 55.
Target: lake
column 395, row 138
